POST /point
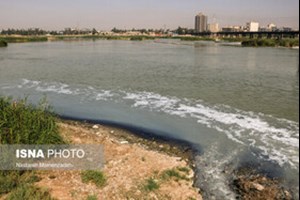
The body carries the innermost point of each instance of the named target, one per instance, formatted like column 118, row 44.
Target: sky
column 127, row 14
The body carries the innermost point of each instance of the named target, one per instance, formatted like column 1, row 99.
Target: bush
column 288, row 42
column 29, row 192
column 151, row 185
column 137, row 38
column 21, row 123
column 173, row 173
column 95, row 177
column 3, row 43
column 12, row 179
column 92, row 197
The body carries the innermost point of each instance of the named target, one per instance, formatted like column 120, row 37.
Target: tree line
column 93, row 31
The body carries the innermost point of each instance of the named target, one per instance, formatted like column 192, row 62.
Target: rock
column 95, row 127
column 124, row 142
column 138, row 192
column 112, row 131
column 258, row 186
column 161, row 146
column 287, row 194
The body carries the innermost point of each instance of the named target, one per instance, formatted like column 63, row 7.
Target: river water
column 239, row 104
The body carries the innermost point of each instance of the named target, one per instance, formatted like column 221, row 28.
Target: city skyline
column 127, row 14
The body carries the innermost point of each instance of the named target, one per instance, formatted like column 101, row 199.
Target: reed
column 23, row 123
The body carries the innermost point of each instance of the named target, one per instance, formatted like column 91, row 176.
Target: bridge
column 259, row 34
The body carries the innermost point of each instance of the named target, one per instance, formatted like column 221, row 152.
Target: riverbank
column 131, row 163
column 134, row 168
column 155, row 158
column 245, row 42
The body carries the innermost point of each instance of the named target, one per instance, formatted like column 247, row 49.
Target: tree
column 94, row 31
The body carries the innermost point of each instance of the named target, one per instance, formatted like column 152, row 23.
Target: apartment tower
column 200, row 23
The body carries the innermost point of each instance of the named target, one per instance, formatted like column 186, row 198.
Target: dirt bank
column 131, row 164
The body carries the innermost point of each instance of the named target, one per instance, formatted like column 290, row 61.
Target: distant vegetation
column 193, row 38
column 13, row 39
column 270, row 42
column 246, row 41
column 3, row 43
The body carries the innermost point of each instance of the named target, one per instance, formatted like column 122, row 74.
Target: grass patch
column 29, row 192
column 91, row 197
column 173, row 173
column 169, row 173
column 183, row 169
column 96, row 177
column 22, row 123
column 151, row 185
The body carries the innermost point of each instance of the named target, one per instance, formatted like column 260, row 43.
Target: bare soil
column 129, row 162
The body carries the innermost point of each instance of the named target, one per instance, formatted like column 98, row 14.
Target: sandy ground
column 129, row 162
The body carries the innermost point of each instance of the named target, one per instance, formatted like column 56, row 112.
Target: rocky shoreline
column 248, row 184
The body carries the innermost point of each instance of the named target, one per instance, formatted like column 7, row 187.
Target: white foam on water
column 278, row 139
column 246, row 128
column 213, row 177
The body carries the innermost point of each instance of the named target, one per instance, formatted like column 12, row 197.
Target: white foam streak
column 280, row 143
column 245, row 128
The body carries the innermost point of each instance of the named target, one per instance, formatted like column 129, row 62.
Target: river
column 238, row 104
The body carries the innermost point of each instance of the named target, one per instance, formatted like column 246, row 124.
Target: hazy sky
column 106, row 14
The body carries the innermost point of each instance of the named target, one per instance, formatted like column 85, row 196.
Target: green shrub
column 21, row 123
column 172, row 173
column 288, row 42
column 137, row 38
column 3, row 43
column 95, row 177
column 92, row 197
column 183, row 169
column 151, row 185
column 249, row 43
column 12, row 179
column 29, row 192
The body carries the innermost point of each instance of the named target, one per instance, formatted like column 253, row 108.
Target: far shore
column 245, row 41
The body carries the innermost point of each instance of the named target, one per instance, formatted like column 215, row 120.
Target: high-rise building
column 200, row 23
